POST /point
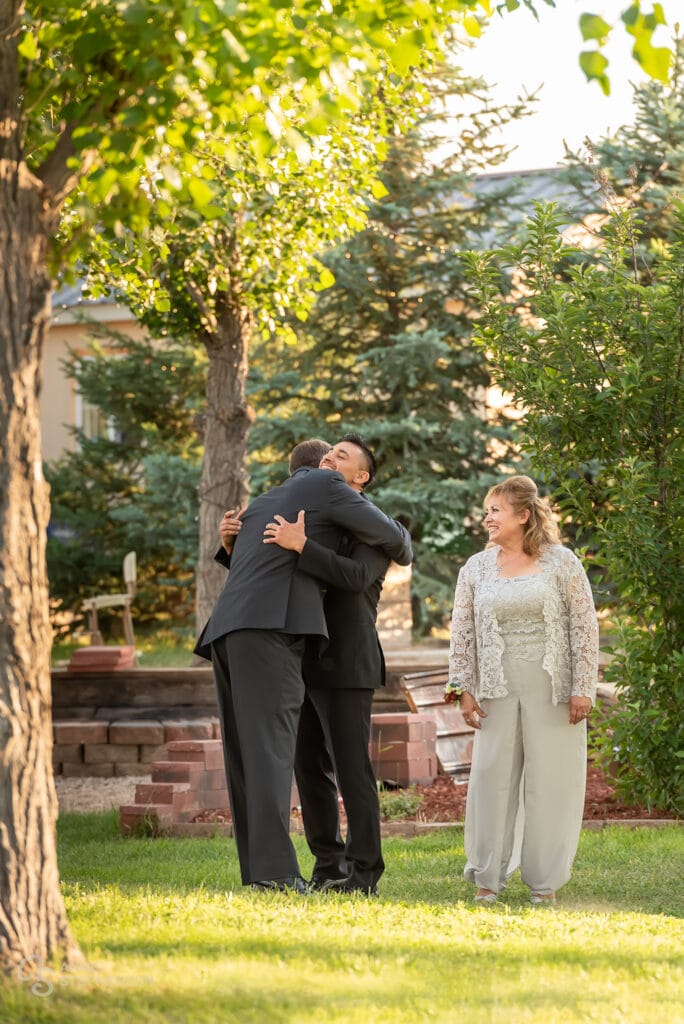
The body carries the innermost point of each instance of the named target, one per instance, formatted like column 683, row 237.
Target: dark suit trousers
column 338, row 720
column 260, row 692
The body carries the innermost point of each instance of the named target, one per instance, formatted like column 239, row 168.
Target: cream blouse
column 570, row 649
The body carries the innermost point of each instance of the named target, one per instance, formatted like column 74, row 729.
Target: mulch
column 444, row 800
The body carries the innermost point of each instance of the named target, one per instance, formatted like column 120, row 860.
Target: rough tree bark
column 33, row 923
column 223, row 482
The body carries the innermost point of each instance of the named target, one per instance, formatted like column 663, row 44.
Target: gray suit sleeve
column 357, row 515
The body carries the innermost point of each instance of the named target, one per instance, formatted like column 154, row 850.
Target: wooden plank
column 425, row 693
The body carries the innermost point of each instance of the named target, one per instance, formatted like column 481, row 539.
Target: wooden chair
column 93, row 604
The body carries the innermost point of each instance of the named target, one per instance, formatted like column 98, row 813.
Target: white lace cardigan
column 571, row 628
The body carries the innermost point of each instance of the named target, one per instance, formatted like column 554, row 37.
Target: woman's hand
column 471, row 711
column 579, row 709
column 230, row 526
column 286, row 535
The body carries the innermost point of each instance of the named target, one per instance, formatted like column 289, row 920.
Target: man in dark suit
column 255, row 639
column 336, row 714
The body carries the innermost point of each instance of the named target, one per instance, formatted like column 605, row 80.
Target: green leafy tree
column 595, row 357
column 218, row 278
column 135, row 485
column 387, row 350
column 99, row 99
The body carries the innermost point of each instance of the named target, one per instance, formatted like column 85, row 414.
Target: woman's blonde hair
column 521, row 494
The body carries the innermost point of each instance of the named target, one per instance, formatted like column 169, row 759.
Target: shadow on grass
column 406, row 988
column 615, row 870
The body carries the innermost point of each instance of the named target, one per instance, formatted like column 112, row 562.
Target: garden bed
column 444, row 801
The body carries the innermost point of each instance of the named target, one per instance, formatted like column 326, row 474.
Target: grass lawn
column 171, row 936
column 161, row 647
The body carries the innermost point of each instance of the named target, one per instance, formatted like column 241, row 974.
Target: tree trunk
column 33, row 924
column 223, row 483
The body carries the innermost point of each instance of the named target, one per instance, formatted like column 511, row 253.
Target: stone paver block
column 136, row 732
column 212, row 779
column 136, row 818
column 403, row 726
column 188, row 729
column 176, row 771
column 208, row 753
column 160, row 792
column 72, row 752
column 96, row 753
column 153, row 752
column 79, row 732
column 407, row 773
column 213, row 799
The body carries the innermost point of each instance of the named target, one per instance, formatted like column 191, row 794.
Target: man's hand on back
column 291, row 536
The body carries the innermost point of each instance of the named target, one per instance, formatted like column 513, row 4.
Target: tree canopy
column 595, row 357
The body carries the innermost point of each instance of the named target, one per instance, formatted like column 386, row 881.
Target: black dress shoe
column 319, row 882
column 292, row 883
column 349, row 885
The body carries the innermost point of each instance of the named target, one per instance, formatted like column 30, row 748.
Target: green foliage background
column 596, row 357
column 134, row 487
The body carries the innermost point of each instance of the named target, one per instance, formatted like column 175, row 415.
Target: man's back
column 264, row 588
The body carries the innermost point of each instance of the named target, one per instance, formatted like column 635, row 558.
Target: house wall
column 67, row 334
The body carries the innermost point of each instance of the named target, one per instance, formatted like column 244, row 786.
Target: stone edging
column 409, row 829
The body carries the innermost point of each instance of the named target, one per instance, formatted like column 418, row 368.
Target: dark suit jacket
column 265, row 589
column 353, row 658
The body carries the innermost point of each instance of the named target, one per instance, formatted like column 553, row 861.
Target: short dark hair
column 371, row 464
column 308, row 453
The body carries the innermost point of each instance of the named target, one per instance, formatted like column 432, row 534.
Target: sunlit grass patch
column 171, row 936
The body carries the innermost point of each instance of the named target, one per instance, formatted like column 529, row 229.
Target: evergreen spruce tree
column 641, row 164
column 387, row 351
column 133, row 487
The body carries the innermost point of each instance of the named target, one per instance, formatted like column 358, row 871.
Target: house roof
column 69, row 305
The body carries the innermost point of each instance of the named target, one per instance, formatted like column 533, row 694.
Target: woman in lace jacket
column 523, row 663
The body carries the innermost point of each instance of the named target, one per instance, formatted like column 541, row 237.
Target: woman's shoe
column 543, row 899
column 485, row 899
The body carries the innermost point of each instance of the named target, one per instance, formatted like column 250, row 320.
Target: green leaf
column 28, row 47
column 378, row 189
column 631, row 16
column 326, row 279
column 406, row 53
column 202, row 193
column 655, row 60
column 592, row 26
column 472, row 26
column 594, row 66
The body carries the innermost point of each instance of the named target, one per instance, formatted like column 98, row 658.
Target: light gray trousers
column 527, row 782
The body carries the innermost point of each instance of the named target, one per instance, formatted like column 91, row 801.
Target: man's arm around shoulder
column 357, row 514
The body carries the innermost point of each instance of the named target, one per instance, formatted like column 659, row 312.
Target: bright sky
column 517, row 54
